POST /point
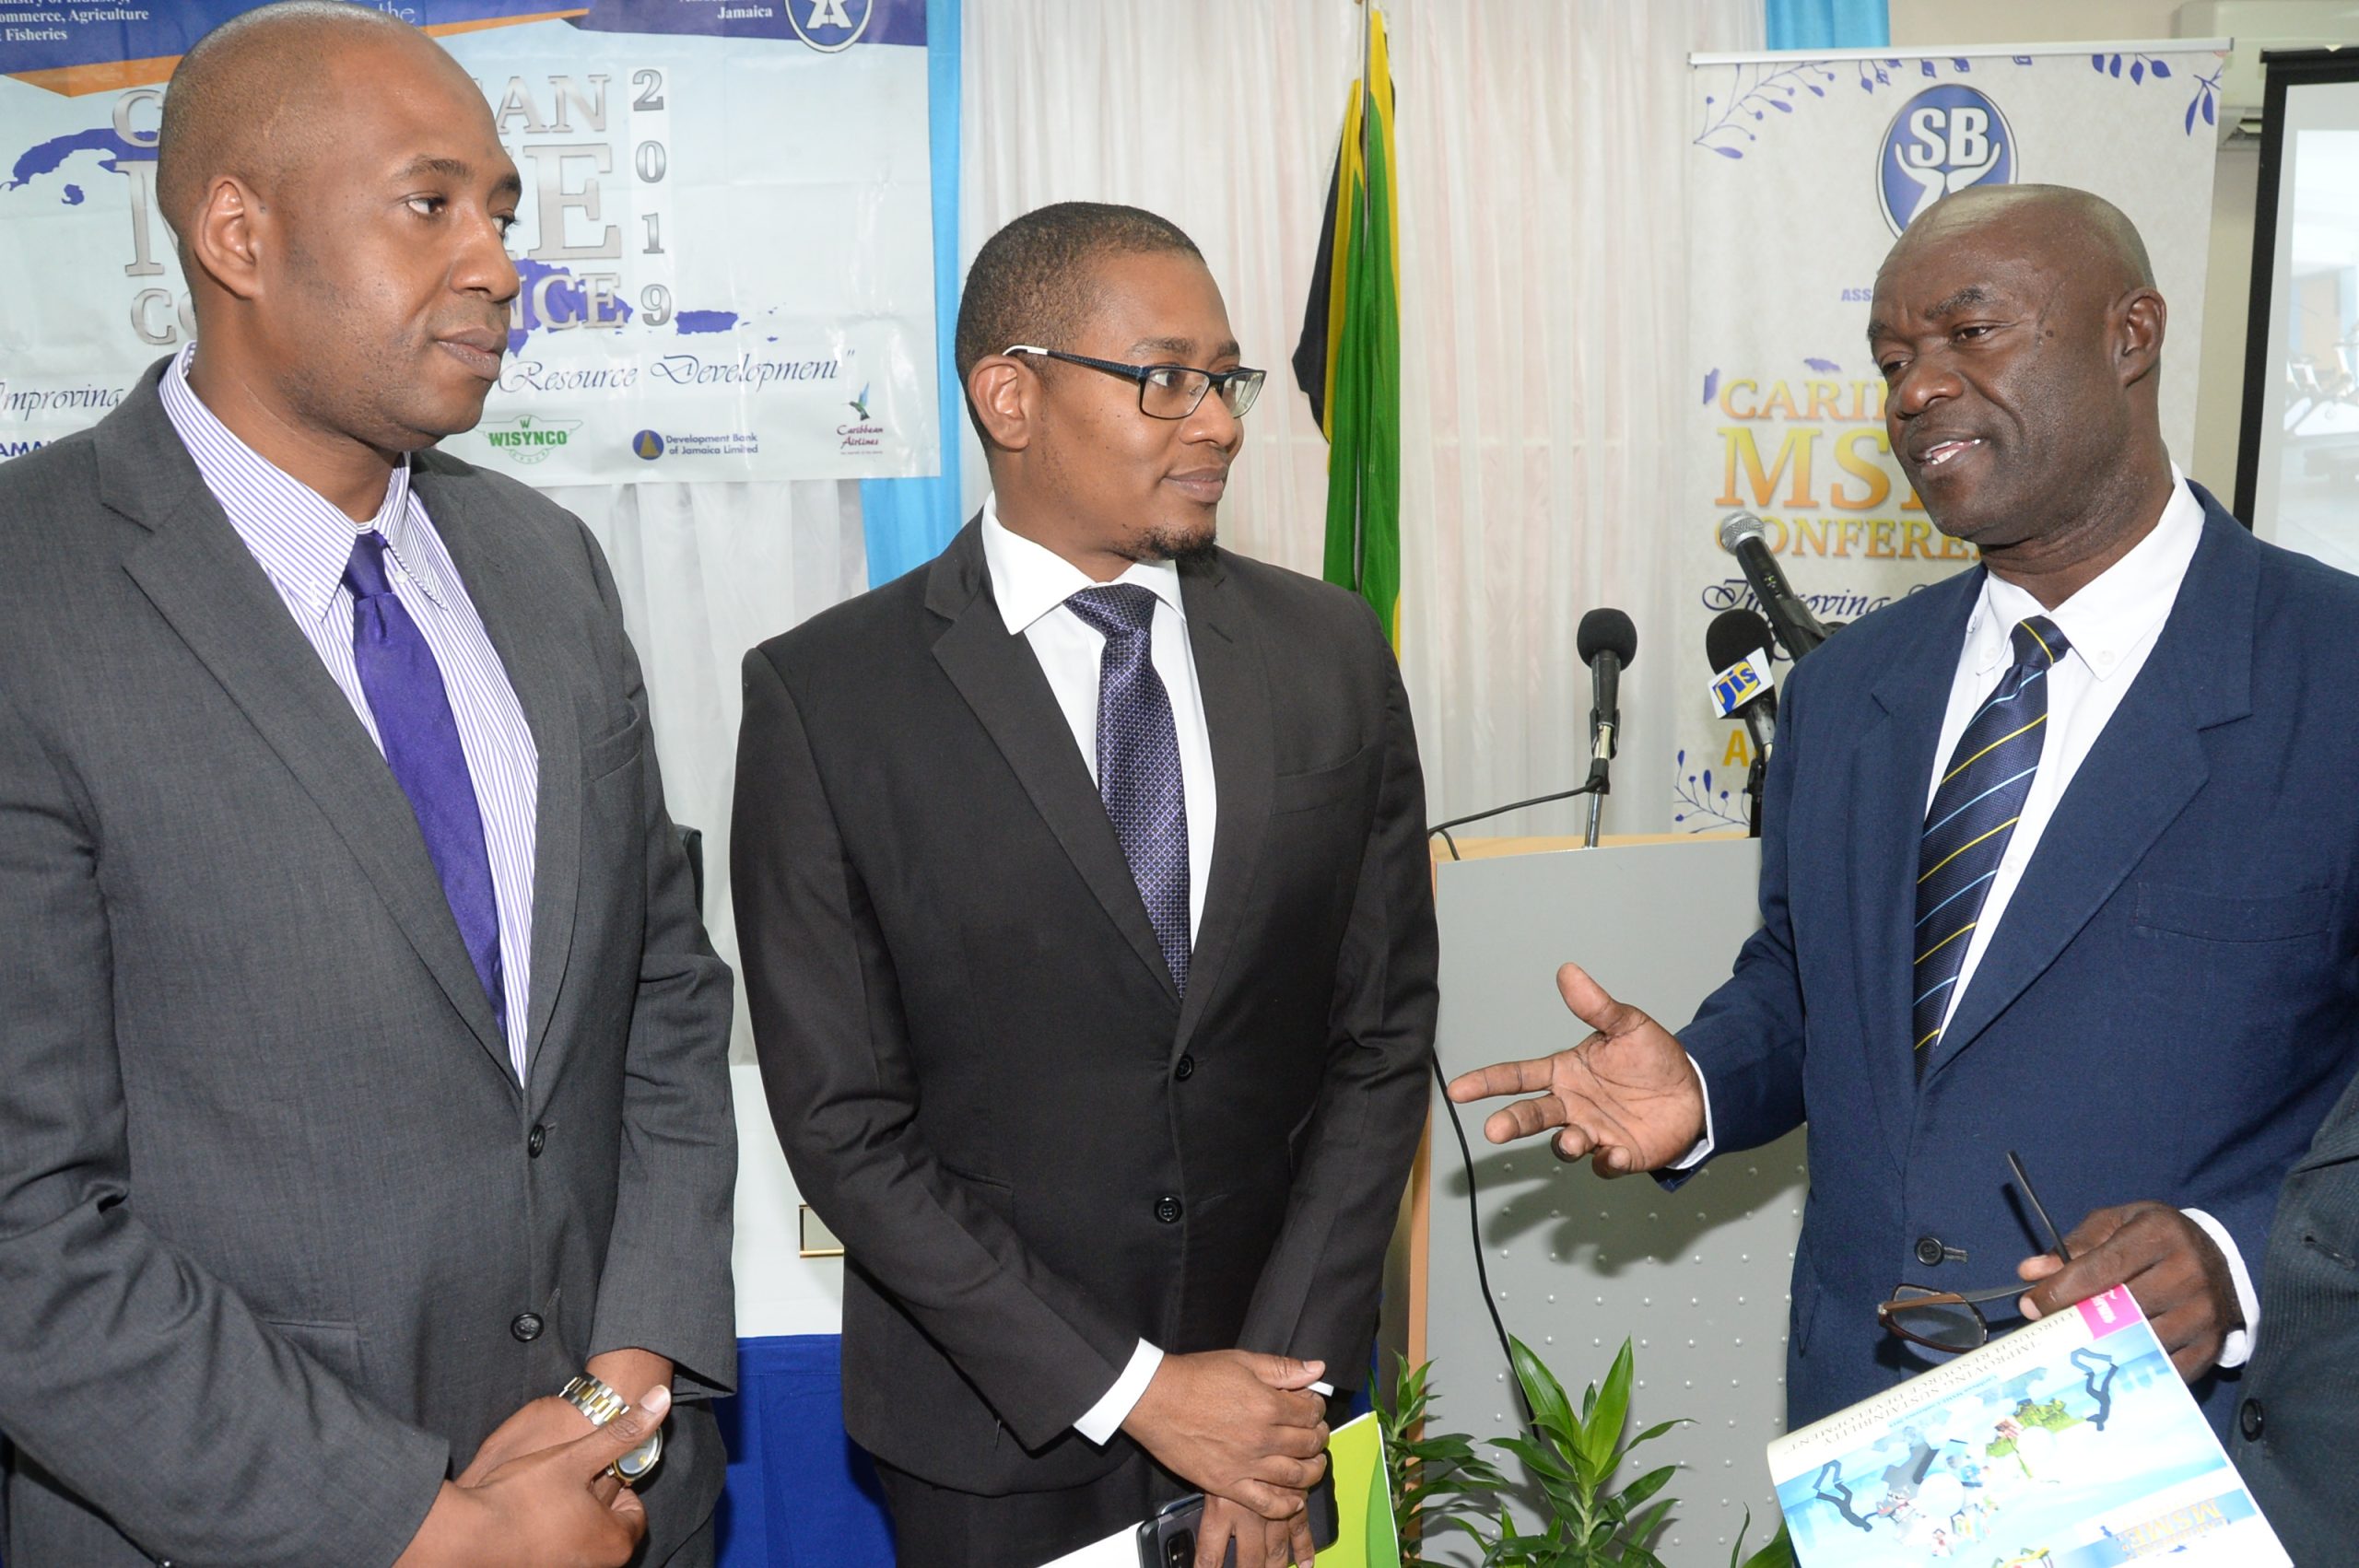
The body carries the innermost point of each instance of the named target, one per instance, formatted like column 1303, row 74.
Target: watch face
column 632, row 1468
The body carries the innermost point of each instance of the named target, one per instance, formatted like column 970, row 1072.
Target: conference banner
column 1802, row 173
column 725, row 243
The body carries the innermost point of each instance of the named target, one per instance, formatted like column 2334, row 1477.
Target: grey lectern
column 1697, row 1279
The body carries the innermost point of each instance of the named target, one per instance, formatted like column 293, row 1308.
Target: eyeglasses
column 1168, row 392
column 1951, row 1321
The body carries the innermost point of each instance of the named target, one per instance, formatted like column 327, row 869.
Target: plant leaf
column 1653, row 1432
column 1602, row 1434
column 2162, row 71
column 1646, row 1486
column 1542, row 1391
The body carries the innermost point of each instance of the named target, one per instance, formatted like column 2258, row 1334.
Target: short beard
column 1180, row 547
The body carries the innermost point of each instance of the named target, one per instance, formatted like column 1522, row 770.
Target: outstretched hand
column 1627, row 1096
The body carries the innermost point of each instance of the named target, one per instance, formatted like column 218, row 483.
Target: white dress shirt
column 2111, row 625
column 302, row 543
column 1031, row 582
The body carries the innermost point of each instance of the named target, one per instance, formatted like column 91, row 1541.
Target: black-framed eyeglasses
column 1168, row 392
column 1951, row 1321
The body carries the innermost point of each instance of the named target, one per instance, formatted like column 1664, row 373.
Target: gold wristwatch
column 601, row 1404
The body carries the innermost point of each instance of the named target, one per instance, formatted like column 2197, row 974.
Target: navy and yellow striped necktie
column 1973, row 816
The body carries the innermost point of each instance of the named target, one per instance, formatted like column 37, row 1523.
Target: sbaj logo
column 1944, row 139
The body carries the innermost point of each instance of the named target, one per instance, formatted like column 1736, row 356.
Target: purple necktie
column 404, row 685
column 1138, row 763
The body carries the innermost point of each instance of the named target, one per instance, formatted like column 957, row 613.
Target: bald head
column 2076, row 229
column 248, row 100
column 2020, row 335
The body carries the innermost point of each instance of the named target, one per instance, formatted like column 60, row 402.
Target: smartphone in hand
column 1168, row 1540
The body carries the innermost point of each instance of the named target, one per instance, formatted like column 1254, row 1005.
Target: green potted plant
column 1572, row 1458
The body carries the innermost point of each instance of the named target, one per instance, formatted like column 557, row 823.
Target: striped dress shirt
column 302, row 543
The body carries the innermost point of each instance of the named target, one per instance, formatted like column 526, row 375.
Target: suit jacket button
column 1184, row 1069
column 1929, row 1251
column 527, row 1326
column 533, row 1144
column 2248, row 1419
column 1167, row 1209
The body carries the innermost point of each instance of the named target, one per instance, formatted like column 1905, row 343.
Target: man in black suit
column 2297, row 1425
column 1086, row 919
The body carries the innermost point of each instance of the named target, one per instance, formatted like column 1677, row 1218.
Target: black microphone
column 1740, row 689
column 1798, row 630
column 1608, row 643
column 1737, row 642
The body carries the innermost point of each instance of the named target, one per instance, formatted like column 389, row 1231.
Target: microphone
column 1608, row 643
column 1737, row 642
column 1744, row 684
column 1798, row 630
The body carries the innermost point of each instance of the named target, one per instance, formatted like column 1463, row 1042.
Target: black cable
column 1442, row 828
column 1474, row 1224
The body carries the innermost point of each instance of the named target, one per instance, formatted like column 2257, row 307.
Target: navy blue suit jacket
column 2166, row 1011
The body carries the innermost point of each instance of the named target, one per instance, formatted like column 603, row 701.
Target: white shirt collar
column 2116, row 612
column 302, row 539
column 1029, row 580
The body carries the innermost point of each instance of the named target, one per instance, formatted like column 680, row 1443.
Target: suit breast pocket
column 1327, row 784
column 2214, row 917
column 335, row 1346
column 614, row 750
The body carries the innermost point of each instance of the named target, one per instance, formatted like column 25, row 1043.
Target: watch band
column 594, row 1398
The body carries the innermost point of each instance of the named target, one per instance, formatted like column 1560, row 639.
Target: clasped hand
column 1250, row 1432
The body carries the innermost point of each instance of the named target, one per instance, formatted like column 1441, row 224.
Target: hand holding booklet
column 2069, row 1444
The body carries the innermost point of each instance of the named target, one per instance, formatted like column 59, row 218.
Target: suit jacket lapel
column 207, row 586
column 1890, row 770
column 482, row 541
column 995, row 671
column 1235, row 683
column 2136, row 779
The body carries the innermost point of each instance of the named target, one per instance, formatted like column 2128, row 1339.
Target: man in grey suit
column 363, row 1073
column 2297, row 1424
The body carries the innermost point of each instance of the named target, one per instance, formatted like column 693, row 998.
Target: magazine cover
column 2068, row 1444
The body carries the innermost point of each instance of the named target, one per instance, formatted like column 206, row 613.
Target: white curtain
column 1542, row 281
column 1542, row 285
column 705, row 572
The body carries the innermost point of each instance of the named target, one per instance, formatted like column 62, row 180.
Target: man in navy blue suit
column 2057, row 855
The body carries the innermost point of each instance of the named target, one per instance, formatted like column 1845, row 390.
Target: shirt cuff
column 1703, row 1149
column 1106, row 1417
column 2237, row 1349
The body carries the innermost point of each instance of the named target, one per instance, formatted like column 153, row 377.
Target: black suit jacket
column 1035, row 1151
column 2297, row 1425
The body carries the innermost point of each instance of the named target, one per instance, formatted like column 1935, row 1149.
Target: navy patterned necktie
column 404, row 685
column 1972, row 818
column 1138, row 762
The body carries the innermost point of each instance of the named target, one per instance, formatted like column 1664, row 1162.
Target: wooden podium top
column 1494, row 849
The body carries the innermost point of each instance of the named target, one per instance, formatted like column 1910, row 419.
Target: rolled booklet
column 2071, row 1442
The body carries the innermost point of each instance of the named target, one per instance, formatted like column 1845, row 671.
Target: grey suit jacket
column 281, row 1238
column 2297, row 1425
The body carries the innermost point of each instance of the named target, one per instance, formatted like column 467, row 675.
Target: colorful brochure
column 2071, row 1442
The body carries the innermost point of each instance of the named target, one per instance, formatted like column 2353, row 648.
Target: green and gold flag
column 1349, row 360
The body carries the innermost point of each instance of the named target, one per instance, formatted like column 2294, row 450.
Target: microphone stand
column 1598, row 787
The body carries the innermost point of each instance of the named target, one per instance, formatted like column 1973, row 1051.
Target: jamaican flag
column 1349, row 358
